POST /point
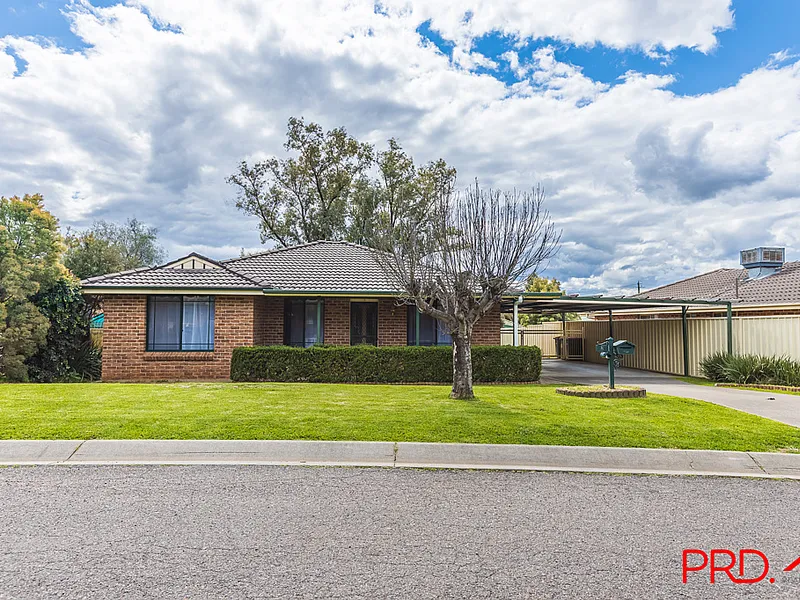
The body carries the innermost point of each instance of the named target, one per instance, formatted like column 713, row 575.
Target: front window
column 424, row 330
column 303, row 322
column 180, row 323
column 363, row 323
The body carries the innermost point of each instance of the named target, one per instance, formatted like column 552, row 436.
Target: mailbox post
column 611, row 351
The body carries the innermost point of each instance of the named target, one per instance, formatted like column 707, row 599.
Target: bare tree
column 479, row 244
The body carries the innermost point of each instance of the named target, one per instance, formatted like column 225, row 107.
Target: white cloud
column 169, row 95
column 665, row 24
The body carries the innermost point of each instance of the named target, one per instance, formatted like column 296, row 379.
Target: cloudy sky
column 667, row 133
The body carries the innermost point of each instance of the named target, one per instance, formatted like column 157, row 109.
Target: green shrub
column 390, row 364
column 713, row 366
column 751, row 368
column 68, row 354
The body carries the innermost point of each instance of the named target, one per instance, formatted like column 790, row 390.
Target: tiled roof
column 317, row 266
column 165, row 276
column 314, row 267
column 778, row 288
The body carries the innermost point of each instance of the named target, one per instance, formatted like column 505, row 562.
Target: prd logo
column 722, row 562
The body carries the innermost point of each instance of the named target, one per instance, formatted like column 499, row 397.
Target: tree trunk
column 462, row 367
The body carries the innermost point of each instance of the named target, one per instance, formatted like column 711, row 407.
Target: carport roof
column 550, row 303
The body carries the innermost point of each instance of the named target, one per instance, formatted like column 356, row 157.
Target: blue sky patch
column 761, row 29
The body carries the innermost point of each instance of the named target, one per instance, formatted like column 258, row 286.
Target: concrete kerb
column 401, row 455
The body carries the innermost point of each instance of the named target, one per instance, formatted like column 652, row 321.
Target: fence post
column 685, row 332
column 729, row 314
column 516, row 323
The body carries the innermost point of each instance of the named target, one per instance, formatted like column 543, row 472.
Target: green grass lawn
column 507, row 414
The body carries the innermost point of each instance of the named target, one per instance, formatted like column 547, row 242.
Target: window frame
column 365, row 303
column 416, row 321
column 287, row 336
column 155, row 298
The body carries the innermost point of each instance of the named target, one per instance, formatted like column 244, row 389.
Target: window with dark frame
column 303, row 322
column 180, row 324
column 424, row 330
column 363, row 323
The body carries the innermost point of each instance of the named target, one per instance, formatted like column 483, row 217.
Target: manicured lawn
column 529, row 414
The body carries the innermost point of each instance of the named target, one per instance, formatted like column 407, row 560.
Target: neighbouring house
column 183, row 319
column 765, row 285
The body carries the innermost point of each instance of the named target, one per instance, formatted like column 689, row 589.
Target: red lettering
column 686, row 568
column 714, row 568
column 793, row 566
column 764, row 560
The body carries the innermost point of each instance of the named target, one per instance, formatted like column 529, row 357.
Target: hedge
column 389, row 364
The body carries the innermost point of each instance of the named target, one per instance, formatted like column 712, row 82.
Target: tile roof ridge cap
column 96, row 278
column 684, row 280
column 227, row 269
column 272, row 251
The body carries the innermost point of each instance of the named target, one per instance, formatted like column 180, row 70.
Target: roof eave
column 168, row 289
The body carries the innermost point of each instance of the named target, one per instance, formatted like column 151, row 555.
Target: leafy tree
column 68, row 353
column 326, row 192
column 30, row 246
column 534, row 283
column 304, row 198
column 108, row 248
column 401, row 192
column 477, row 246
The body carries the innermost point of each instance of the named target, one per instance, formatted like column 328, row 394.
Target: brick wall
column 337, row 322
column 392, row 323
column 268, row 321
column 238, row 321
column 124, row 339
column 487, row 330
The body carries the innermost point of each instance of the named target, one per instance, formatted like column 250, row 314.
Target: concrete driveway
column 772, row 405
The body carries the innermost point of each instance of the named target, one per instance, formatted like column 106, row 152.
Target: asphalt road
column 282, row 532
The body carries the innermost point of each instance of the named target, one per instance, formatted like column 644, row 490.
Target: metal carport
column 546, row 303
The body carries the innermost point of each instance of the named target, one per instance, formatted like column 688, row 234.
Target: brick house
column 183, row 319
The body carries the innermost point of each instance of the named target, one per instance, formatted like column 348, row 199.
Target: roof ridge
column 272, row 251
column 241, row 275
column 96, row 278
column 295, row 246
column 666, row 285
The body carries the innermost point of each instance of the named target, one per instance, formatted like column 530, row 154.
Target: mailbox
column 611, row 350
column 623, row 347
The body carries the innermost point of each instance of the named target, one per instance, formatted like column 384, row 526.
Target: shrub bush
column 390, row 364
column 751, row 368
column 68, row 354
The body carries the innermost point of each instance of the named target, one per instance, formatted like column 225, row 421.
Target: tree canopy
column 30, row 248
column 335, row 187
column 534, row 283
column 109, row 248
